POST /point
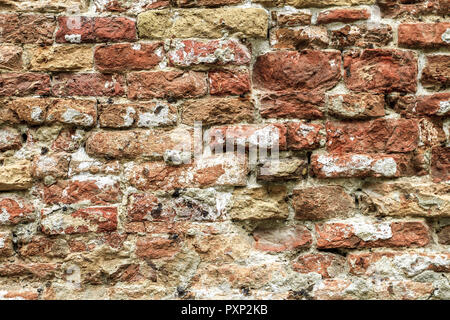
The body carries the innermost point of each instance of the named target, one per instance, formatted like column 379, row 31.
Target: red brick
column 366, row 263
column 293, row 105
column 126, row 273
column 77, row 246
column 7, row 115
column 424, row 35
column 131, row 144
column 282, row 239
column 367, row 235
column 95, row 191
column 26, row 29
column 228, row 82
column 93, row 166
column 342, row 15
column 88, row 84
column 433, row 105
column 310, row 37
column 15, row 210
column 187, row 53
column 156, row 248
column 215, row 111
column 436, row 74
column 322, row 202
column 432, row 131
column 94, row 219
column 42, row 246
column 248, row 135
column 95, row 29
column 381, row 70
column 165, row 84
column 54, row 165
column 33, row 270
column 115, row 239
column 305, row 136
column 46, row 110
column 362, row 35
column 356, row 105
column 440, row 164
column 321, row 263
column 217, row 170
column 23, row 84
column 429, row 110
column 411, row 9
column 143, row 207
column 381, row 135
column 123, row 57
column 67, row 140
column 77, row 112
column 19, row 295
column 10, row 57
column 304, row 71
column 10, row 139
column 29, row 110
column 366, row 165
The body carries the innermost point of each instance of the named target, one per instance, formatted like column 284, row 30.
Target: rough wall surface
column 96, row 97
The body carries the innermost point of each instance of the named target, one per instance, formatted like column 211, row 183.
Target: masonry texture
column 97, row 96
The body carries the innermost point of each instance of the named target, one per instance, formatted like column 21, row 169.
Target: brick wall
column 97, row 201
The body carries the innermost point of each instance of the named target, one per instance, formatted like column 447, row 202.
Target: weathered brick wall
column 96, row 96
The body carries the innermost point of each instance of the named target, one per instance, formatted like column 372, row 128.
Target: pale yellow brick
column 203, row 23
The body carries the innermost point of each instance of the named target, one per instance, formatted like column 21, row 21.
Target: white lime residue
column 176, row 157
column 372, row 232
column 222, row 200
column 54, row 222
column 267, row 137
column 83, row 160
column 232, row 167
column 330, row 165
column 152, row 119
column 444, row 108
column 36, row 114
column 73, row 38
column 76, row 117
column 3, row 293
column 4, row 216
column 101, row 182
column 224, row 53
column 413, row 264
column 305, row 130
column 387, row 167
column 128, row 118
column 446, row 36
